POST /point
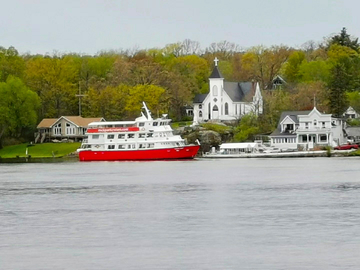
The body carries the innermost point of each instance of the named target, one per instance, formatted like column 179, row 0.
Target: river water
column 201, row 214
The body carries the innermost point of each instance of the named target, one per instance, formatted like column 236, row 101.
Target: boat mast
column 148, row 113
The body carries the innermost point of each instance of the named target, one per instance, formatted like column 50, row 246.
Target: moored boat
column 143, row 139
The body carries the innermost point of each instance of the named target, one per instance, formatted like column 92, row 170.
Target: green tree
column 338, row 84
column 56, row 81
column 11, row 63
column 18, row 108
column 247, row 128
column 292, row 67
column 344, row 39
column 152, row 95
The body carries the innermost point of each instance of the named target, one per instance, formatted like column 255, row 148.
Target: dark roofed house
column 227, row 100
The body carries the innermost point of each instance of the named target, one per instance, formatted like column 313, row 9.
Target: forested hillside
column 114, row 83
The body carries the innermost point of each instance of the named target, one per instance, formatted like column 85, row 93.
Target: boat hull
column 186, row 152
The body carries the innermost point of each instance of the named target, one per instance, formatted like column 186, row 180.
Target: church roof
column 216, row 74
column 238, row 91
column 199, row 98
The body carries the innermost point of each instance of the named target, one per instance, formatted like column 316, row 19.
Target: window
column 141, row 124
column 111, row 146
column 141, row 135
column 215, row 108
column 111, row 136
column 215, row 90
column 200, row 106
column 149, row 135
column 95, row 137
column 155, row 124
column 307, row 125
column 121, row 136
column 57, row 129
column 323, row 124
column 323, row 138
column 200, row 113
column 131, row 136
column 121, row 146
column 315, row 123
column 226, row 108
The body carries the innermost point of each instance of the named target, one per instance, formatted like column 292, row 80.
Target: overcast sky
column 89, row 26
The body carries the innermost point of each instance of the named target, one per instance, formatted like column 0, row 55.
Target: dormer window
column 306, row 125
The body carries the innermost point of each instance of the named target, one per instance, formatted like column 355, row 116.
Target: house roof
column 82, row 122
column 293, row 115
column 77, row 120
column 216, row 74
column 353, row 131
column 47, row 122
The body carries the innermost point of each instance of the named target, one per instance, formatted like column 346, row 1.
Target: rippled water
column 201, row 214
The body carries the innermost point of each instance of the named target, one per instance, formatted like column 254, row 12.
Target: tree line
column 113, row 83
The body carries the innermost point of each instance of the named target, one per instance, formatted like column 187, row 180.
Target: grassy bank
column 44, row 150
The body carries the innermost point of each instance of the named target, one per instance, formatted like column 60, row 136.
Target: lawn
column 43, row 150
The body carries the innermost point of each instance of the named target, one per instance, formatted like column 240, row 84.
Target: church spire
column 215, row 74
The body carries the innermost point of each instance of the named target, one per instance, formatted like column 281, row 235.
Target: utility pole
column 80, row 96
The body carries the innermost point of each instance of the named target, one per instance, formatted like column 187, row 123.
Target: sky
column 91, row 26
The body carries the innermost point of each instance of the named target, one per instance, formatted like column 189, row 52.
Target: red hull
column 186, row 152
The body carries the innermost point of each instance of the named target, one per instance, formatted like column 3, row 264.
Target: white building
column 307, row 129
column 227, row 100
column 351, row 113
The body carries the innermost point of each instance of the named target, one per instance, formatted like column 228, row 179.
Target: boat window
column 150, row 145
column 95, row 136
column 141, row 124
column 111, row 136
column 133, row 146
column 141, row 135
column 149, row 135
column 131, row 135
column 129, row 146
column 141, row 145
column 111, row 146
column 121, row 146
column 155, row 124
column 121, row 136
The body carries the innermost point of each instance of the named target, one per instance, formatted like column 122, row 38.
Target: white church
column 227, row 100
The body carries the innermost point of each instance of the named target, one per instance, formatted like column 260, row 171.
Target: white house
column 227, row 100
column 307, row 129
column 351, row 113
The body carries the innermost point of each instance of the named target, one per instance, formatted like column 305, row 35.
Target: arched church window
column 200, row 113
column 226, row 108
column 215, row 90
column 215, row 108
column 200, row 106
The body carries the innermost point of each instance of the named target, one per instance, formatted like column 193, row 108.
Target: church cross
column 216, row 61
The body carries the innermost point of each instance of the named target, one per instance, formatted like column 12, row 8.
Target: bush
column 221, row 129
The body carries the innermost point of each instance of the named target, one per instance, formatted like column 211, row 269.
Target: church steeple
column 216, row 74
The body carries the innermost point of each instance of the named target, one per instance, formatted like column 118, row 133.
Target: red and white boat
column 143, row 139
